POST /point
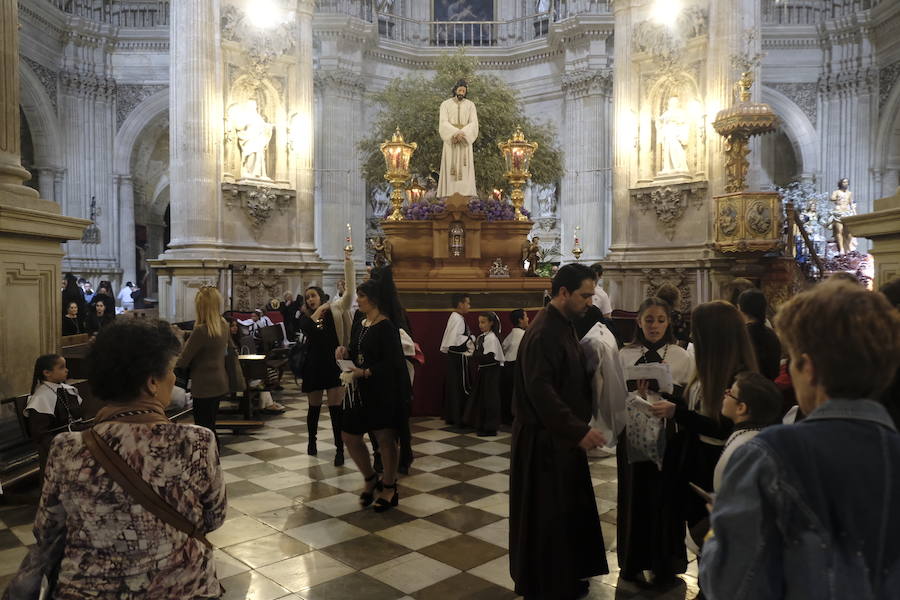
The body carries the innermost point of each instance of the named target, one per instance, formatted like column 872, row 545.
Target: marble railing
column 121, row 13
column 463, row 33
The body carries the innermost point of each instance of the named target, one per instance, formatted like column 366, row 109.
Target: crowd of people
column 87, row 311
column 777, row 501
column 762, row 441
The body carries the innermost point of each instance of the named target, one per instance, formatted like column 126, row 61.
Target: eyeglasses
column 730, row 395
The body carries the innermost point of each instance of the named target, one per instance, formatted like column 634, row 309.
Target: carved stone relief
column 46, row 76
column 255, row 286
column 887, row 77
column 801, row 94
column 655, row 278
column 129, row 96
column 669, row 202
column 262, row 47
column 665, row 43
column 258, row 202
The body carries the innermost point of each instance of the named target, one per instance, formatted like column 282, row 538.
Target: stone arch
column 798, row 128
column 143, row 116
column 887, row 144
column 42, row 120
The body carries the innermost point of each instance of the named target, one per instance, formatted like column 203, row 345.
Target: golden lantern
column 415, row 191
column 517, row 151
column 397, row 154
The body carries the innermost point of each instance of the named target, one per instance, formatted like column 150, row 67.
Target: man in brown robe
column 555, row 539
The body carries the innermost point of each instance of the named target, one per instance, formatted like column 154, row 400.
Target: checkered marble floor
column 295, row 529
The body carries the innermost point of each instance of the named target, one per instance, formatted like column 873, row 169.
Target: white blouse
column 43, row 400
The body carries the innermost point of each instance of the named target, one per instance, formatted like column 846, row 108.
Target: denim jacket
column 810, row 510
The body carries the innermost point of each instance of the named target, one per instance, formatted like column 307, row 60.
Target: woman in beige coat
column 204, row 356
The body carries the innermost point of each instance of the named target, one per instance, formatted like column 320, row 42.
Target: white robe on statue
column 457, row 160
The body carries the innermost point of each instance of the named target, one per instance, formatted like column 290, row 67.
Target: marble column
column 126, row 227
column 303, row 127
column 585, row 200
column 87, row 98
column 342, row 196
column 31, row 230
column 12, row 174
column 46, row 182
column 197, row 129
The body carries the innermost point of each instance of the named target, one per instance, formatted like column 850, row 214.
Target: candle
column 349, row 234
column 575, row 235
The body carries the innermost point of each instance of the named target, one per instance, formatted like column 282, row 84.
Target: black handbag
column 182, row 376
column 297, row 356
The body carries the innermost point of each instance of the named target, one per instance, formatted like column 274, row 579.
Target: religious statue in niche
column 530, row 255
column 458, row 127
column 844, row 206
column 672, row 131
column 456, row 238
column 253, row 137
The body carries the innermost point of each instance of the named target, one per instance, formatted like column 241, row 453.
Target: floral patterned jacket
column 114, row 549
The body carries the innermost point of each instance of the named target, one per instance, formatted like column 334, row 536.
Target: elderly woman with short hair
column 92, row 537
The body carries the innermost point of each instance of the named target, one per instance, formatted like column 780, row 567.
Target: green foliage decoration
column 411, row 103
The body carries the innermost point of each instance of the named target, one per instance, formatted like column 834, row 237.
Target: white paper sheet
column 660, row 372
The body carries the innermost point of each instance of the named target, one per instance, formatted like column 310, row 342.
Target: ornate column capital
column 343, row 80
column 585, row 82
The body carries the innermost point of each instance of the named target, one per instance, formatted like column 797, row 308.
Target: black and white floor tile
column 295, row 529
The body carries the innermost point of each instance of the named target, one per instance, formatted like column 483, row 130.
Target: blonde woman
column 204, row 357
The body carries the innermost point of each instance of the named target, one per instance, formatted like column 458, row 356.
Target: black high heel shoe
column 381, row 504
column 367, row 498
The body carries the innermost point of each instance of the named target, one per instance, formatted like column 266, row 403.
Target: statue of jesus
column 458, row 127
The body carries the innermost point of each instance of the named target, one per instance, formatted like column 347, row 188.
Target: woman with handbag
column 326, row 326
column 650, row 515
column 204, row 357
column 377, row 399
column 126, row 505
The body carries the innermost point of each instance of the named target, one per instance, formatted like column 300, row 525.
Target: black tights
column 205, row 411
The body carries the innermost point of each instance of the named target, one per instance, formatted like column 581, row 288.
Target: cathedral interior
column 180, row 144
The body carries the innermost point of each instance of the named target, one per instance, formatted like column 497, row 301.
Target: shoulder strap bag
column 137, row 488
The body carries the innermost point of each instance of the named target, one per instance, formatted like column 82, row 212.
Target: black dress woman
column 326, row 326
column 376, row 402
column 651, row 513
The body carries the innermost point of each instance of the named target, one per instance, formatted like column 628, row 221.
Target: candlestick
column 349, row 246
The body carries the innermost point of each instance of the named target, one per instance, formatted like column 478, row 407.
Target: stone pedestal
column 882, row 227
column 31, row 232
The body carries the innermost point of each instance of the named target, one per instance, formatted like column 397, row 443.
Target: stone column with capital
column 31, row 230
column 126, row 228
column 586, row 199
column 196, row 128
column 303, row 127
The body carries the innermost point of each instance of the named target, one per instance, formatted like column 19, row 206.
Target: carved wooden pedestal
column 748, row 222
column 454, row 253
